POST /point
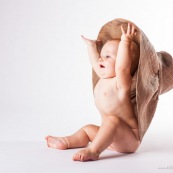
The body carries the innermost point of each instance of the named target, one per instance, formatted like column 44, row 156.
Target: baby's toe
column 77, row 157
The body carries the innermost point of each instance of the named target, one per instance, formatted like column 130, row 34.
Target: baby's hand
column 90, row 42
column 129, row 35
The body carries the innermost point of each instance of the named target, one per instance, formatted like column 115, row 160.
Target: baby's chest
column 105, row 90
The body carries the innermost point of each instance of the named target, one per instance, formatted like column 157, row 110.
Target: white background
column 45, row 74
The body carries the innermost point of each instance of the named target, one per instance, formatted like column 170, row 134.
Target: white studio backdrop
column 45, row 74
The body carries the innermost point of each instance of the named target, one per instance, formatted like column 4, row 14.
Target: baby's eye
column 107, row 56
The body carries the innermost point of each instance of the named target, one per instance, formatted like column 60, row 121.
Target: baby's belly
column 109, row 102
column 114, row 106
column 122, row 110
column 106, row 107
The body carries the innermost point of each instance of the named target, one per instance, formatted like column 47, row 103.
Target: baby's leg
column 112, row 131
column 80, row 139
column 126, row 140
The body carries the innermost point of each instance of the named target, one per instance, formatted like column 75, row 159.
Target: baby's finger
column 133, row 30
column 122, row 30
column 129, row 28
column 84, row 37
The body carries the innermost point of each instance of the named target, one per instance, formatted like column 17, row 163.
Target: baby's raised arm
column 124, row 58
column 92, row 52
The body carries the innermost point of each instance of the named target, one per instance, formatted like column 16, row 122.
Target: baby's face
column 107, row 59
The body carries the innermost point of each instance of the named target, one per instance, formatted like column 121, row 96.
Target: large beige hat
column 153, row 77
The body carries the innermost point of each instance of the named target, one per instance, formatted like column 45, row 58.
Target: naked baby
column 114, row 66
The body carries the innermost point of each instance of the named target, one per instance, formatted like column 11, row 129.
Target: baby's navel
column 105, row 93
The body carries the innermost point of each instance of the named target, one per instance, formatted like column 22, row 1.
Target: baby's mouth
column 102, row 66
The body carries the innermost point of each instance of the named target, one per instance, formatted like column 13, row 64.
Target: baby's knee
column 89, row 126
column 114, row 120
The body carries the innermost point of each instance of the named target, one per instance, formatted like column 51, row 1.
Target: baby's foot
column 86, row 155
column 57, row 142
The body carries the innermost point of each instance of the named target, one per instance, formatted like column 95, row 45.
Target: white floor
column 154, row 155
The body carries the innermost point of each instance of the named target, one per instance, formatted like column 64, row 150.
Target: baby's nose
column 100, row 59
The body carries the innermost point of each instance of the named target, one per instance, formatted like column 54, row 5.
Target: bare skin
column 119, row 128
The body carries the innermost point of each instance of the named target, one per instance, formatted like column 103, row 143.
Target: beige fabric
column 153, row 77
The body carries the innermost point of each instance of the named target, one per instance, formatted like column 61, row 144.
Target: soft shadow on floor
column 156, row 145
column 113, row 155
column 147, row 146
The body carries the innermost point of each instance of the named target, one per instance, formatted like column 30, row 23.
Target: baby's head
column 108, row 57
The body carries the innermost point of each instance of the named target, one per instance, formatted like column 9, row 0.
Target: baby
column 119, row 128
